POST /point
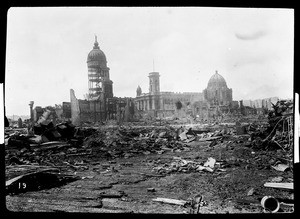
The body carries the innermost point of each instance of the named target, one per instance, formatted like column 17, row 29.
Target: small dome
column 217, row 81
column 96, row 54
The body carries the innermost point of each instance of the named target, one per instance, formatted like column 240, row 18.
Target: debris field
column 244, row 166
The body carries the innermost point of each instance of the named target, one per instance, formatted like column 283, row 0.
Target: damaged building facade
column 100, row 104
column 216, row 98
column 157, row 103
column 54, row 114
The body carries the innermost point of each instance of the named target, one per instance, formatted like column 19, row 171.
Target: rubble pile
column 126, row 141
column 278, row 133
column 188, row 166
column 59, row 144
column 50, row 144
column 46, row 145
column 42, row 133
column 34, row 158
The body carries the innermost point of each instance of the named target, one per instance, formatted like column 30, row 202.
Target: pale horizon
column 47, row 48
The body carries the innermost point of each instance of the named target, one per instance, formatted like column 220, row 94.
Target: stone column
column 161, row 103
column 153, row 103
column 31, row 112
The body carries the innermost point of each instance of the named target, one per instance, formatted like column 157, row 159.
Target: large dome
column 216, row 81
column 96, row 54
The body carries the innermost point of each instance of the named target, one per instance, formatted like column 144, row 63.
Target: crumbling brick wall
column 75, row 110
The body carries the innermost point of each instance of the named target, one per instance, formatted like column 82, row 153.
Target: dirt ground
column 236, row 188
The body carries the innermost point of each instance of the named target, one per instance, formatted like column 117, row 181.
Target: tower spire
column 96, row 44
column 153, row 66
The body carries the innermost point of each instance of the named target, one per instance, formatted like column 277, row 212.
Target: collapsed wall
column 75, row 110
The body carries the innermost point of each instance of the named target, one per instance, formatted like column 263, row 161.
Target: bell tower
column 154, row 92
column 154, row 87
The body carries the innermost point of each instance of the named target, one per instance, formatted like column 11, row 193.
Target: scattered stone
column 281, row 167
column 210, row 162
column 277, row 179
column 250, row 192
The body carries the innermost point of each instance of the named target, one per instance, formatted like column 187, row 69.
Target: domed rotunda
column 217, row 92
column 98, row 73
column 96, row 56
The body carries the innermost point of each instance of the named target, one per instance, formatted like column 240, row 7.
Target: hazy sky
column 47, row 48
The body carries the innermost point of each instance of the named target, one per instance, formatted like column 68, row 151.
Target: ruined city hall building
column 100, row 104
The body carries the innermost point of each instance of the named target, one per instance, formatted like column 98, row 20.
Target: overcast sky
column 47, row 48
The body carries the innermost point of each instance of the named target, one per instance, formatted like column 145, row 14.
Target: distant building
column 216, row 98
column 217, row 92
column 100, row 105
column 265, row 103
column 162, row 103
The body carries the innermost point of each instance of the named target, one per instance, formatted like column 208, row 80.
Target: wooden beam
column 279, row 185
column 209, row 138
column 170, row 201
column 15, row 179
